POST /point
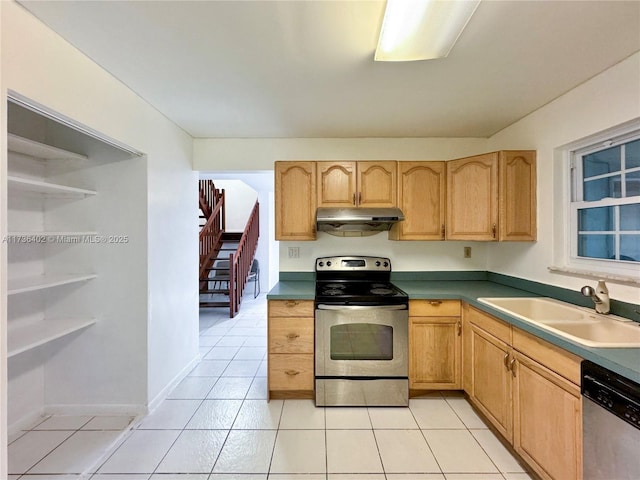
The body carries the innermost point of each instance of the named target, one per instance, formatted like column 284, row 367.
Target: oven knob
column 321, row 264
column 328, row 264
column 378, row 263
column 386, row 264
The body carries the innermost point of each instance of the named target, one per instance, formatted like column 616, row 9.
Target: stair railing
column 240, row 263
column 212, row 205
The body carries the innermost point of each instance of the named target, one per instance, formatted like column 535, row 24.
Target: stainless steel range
column 361, row 331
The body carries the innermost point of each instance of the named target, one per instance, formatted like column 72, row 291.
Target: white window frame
column 625, row 270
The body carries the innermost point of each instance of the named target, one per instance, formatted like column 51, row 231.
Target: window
column 605, row 202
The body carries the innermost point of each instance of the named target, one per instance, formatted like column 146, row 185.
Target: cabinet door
column 295, row 202
column 376, row 184
column 421, row 197
column 337, row 184
column 472, row 193
column 491, row 379
column 517, row 195
column 547, row 421
column 435, row 353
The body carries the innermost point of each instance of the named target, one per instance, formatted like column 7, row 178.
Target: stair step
column 214, row 304
column 215, row 290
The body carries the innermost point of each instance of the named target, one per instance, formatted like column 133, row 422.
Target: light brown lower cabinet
column 529, row 390
column 435, row 345
column 290, row 342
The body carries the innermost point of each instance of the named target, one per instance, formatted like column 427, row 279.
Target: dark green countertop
column 624, row 361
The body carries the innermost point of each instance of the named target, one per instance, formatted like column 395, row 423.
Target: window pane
column 630, row 217
column 596, row 219
column 630, row 248
column 632, row 154
column 602, row 188
column 596, row 246
column 604, row 161
column 633, row 184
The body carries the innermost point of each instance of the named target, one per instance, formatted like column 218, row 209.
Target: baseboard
column 133, row 410
column 26, row 422
column 162, row 395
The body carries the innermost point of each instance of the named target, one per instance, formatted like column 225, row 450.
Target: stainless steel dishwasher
column 611, row 425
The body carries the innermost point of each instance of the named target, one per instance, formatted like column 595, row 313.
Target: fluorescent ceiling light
column 422, row 29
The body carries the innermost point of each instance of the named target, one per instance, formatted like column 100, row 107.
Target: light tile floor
column 217, row 425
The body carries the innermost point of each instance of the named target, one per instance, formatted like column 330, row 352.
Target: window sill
column 576, row 272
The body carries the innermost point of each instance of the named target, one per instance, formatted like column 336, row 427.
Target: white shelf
column 38, row 186
column 40, row 150
column 27, row 336
column 32, row 284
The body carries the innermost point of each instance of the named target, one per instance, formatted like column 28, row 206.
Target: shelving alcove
column 65, row 243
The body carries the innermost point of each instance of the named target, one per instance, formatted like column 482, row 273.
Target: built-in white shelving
column 24, row 337
column 40, row 282
column 51, row 189
column 39, row 150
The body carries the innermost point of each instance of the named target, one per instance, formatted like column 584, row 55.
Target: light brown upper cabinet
column 295, row 202
column 357, row 184
column 422, row 199
column 492, row 197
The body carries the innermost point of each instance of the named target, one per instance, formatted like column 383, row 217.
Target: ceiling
column 305, row 68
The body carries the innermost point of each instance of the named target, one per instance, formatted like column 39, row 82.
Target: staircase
column 225, row 258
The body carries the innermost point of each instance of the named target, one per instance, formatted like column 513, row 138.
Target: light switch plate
column 294, row 252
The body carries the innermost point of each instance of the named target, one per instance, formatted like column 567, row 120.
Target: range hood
column 356, row 222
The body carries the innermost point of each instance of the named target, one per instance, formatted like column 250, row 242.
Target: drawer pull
column 506, row 361
column 291, row 373
column 292, row 336
column 512, row 366
column 291, row 303
column 435, row 303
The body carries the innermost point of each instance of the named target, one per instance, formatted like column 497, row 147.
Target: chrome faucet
column 600, row 296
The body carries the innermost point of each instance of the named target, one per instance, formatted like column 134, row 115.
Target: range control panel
column 346, row 264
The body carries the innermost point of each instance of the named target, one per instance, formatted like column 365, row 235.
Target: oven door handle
column 361, row 307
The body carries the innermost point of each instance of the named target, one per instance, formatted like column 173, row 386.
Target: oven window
column 361, row 341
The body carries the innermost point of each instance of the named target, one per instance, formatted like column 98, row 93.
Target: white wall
column 43, row 67
column 239, row 200
column 605, row 101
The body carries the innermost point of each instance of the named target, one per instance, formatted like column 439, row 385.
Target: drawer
column 291, row 335
column 291, row 372
column 434, row 308
column 291, row 308
column 554, row 358
column 495, row 327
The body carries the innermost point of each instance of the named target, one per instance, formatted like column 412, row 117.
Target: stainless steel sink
column 579, row 324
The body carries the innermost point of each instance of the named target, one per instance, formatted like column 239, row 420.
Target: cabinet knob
column 493, row 230
column 512, row 367
column 506, row 361
column 443, row 231
column 291, row 373
column 292, row 336
column 354, row 198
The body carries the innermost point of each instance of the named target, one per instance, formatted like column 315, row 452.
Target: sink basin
column 579, row 324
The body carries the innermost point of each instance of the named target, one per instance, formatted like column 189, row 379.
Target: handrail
column 240, row 263
column 212, row 204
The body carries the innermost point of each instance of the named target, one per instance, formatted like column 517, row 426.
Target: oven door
column 362, row 341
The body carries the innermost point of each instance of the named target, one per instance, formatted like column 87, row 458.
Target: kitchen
column 75, row 88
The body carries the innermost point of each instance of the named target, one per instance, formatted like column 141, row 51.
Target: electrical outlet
column 467, row 252
column 294, row 252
